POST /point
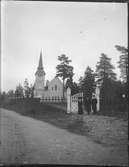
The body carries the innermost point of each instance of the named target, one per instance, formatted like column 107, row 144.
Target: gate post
column 68, row 100
column 98, row 97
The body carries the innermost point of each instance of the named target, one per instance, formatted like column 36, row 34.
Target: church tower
column 39, row 79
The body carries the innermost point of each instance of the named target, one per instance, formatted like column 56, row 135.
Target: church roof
column 56, row 78
column 40, row 70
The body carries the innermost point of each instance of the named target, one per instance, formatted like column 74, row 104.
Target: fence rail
column 54, row 100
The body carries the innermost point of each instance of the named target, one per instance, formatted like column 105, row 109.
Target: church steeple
column 40, row 61
column 40, row 70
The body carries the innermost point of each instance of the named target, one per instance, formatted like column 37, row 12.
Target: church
column 48, row 91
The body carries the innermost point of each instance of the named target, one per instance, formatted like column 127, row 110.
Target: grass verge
column 102, row 129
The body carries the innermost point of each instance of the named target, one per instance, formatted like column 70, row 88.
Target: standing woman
column 88, row 105
column 80, row 109
column 94, row 104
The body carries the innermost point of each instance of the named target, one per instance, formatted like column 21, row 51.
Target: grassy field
column 100, row 128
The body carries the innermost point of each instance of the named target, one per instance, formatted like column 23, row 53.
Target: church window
column 52, row 88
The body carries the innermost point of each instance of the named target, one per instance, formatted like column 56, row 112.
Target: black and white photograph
column 64, row 83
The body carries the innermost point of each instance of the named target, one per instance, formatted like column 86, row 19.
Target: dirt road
column 29, row 141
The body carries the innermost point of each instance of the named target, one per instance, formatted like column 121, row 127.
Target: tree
column 119, row 100
column 64, row 70
column 123, row 65
column 105, row 74
column 80, row 83
column 19, row 91
column 3, row 97
column 26, row 88
column 69, row 83
column 104, row 68
column 31, row 91
column 11, row 93
column 73, row 85
column 123, row 62
column 87, row 83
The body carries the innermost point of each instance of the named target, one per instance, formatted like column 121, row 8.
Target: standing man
column 94, row 104
column 88, row 105
column 80, row 109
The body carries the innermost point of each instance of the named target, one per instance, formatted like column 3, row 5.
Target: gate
column 76, row 103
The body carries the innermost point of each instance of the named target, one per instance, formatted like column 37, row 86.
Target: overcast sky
column 81, row 30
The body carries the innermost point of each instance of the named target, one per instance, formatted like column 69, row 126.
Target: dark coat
column 88, row 102
column 94, row 102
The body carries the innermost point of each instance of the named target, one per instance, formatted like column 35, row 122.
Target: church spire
column 40, row 61
column 40, row 70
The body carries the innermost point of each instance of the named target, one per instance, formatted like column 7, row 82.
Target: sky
column 81, row 30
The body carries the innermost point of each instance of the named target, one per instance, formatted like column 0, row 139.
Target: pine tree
column 73, row 85
column 123, row 65
column 26, row 88
column 123, row 62
column 64, row 70
column 10, row 93
column 87, row 83
column 19, row 91
column 104, row 68
column 31, row 91
column 105, row 75
column 80, row 83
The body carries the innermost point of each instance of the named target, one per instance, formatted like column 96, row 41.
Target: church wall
column 55, row 85
column 55, row 89
column 39, row 82
column 38, row 93
column 39, row 87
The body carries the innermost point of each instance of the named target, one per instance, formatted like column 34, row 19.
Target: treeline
column 25, row 91
column 113, row 92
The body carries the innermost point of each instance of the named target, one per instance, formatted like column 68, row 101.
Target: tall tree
column 105, row 74
column 80, row 83
column 64, row 70
column 3, row 97
column 104, row 68
column 73, row 85
column 87, row 83
column 26, row 88
column 19, row 91
column 69, row 83
column 123, row 62
column 10, row 93
column 123, row 65
column 31, row 91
